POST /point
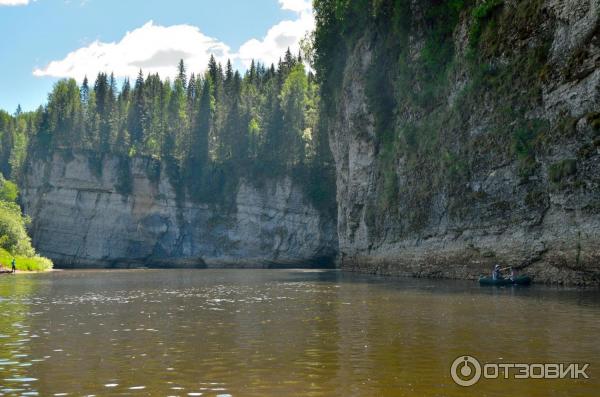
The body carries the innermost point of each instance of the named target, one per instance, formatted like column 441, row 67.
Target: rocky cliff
column 81, row 219
column 466, row 134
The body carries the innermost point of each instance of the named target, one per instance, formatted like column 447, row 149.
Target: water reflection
column 262, row 333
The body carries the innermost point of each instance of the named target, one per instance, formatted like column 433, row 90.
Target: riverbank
column 23, row 263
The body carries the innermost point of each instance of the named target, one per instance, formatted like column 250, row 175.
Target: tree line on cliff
column 209, row 128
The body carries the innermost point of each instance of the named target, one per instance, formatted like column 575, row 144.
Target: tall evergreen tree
column 177, row 119
column 293, row 99
column 181, row 75
column 200, row 134
column 84, row 93
column 137, row 112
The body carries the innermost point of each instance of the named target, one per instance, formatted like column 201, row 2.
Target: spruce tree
column 181, row 76
column 137, row 112
column 200, row 134
column 84, row 94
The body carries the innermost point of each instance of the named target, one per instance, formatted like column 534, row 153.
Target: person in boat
column 512, row 274
column 497, row 273
column 14, row 265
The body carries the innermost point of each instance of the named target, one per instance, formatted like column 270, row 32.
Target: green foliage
column 294, row 99
column 13, row 235
column 8, row 190
column 480, row 15
column 562, row 169
column 525, row 140
column 25, row 263
column 15, row 133
column 207, row 131
column 594, row 119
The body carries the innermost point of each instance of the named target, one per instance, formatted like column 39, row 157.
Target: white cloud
column 281, row 36
column 158, row 49
column 14, row 2
column 296, row 5
column 153, row 48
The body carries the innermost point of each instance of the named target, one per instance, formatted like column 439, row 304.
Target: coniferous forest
column 208, row 128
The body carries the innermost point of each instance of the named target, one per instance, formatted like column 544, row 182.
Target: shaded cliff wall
column 465, row 134
column 81, row 218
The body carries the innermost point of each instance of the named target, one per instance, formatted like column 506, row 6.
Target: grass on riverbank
column 26, row 264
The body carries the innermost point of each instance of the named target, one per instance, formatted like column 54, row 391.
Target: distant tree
column 8, row 190
column 6, row 141
column 177, row 120
column 191, row 89
column 181, row 76
column 84, row 94
column 228, row 78
column 294, row 99
column 198, row 155
column 64, row 110
column 137, row 116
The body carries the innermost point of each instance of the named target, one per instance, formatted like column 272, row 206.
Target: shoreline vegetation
column 25, row 264
column 14, row 240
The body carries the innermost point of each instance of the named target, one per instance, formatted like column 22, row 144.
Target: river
column 283, row 333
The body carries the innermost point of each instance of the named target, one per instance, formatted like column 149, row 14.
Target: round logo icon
column 465, row 371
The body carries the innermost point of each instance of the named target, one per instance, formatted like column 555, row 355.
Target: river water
column 283, row 333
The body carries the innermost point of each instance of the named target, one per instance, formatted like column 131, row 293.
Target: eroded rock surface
column 81, row 220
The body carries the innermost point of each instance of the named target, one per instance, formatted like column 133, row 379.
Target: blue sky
column 45, row 40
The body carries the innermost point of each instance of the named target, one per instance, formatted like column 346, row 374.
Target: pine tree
column 228, row 77
column 289, row 59
column 293, row 100
column 177, row 119
column 84, row 94
column 137, row 112
column 123, row 140
column 64, row 110
column 181, row 76
column 238, row 122
column 125, row 91
column 272, row 149
column 213, row 69
column 252, row 72
column 101, row 90
column 200, row 134
column 191, row 89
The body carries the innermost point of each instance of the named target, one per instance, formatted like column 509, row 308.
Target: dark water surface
column 282, row 333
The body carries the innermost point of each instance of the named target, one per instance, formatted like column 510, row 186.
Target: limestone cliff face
column 538, row 211
column 81, row 220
